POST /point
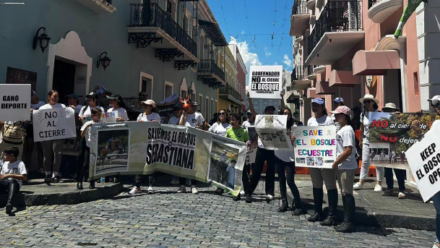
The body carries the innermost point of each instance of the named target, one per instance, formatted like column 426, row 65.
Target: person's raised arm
column 251, row 105
column 282, row 100
column 182, row 119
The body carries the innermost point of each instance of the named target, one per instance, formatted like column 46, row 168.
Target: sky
column 260, row 28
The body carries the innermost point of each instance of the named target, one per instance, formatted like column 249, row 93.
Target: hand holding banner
column 54, row 124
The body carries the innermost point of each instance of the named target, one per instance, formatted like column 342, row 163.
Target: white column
column 428, row 35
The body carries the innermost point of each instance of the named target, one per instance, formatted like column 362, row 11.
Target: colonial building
column 157, row 46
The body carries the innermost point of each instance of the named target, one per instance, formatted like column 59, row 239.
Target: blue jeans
column 436, row 200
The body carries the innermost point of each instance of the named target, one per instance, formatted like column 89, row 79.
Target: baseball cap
column 72, row 96
column 194, row 104
column 91, row 95
column 115, row 97
column 342, row 110
column 338, row 99
column 33, row 93
column 318, row 101
column 149, row 102
column 435, row 100
column 249, row 112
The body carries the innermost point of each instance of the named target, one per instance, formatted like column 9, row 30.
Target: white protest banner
column 424, row 160
column 109, row 117
column 265, row 81
column 54, row 124
column 271, row 130
column 15, row 102
column 315, row 147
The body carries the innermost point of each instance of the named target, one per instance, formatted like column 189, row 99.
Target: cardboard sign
column 109, row 117
column 315, row 147
column 424, row 160
column 265, row 82
column 15, row 102
column 54, row 124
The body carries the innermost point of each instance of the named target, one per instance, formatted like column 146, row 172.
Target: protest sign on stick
column 315, row 147
column 265, row 81
column 271, row 130
column 54, row 124
column 424, row 160
column 15, row 102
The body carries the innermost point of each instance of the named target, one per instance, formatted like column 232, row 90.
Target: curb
column 379, row 219
column 73, row 197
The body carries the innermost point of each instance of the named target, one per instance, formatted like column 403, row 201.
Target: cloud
column 287, row 61
column 266, row 52
column 249, row 58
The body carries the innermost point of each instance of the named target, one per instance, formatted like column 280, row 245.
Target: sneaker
column 377, row 188
column 150, row 190
column 269, row 197
column 182, row 189
column 401, row 195
column 194, row 190
column 135, row 191
column 242, row 193
column 358, row 186
column 388, row 192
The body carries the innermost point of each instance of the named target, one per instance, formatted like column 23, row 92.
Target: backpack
column 14, row 133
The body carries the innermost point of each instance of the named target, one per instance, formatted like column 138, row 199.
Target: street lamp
column 43, row 39
column 103, row 61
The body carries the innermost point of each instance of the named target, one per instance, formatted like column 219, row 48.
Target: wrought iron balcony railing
column 151, row 15
column 300, row 7
column 228, row 90
column 210, row 66
column 298, row 73
column 337, row 16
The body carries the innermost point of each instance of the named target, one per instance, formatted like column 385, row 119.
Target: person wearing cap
column 149, row 115
column 250, row 122
column 13, row 172
column 320, row 176
column 118, row 105
column 345, row 166
column 52, row 149
column 85, row 113
column 400, row 174
column 263, row 155
column 73, row 102
column 370, row 105
column 338, row 102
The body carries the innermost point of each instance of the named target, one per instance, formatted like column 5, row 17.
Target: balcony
column 152, row 26
column 230, row 94
column 299, row 78
column 380, row 10
column 98, row 6
column 299, row 21
column 210, row 74
column 337, row 31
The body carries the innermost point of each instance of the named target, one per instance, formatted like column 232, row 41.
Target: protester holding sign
column 346, row 166
column 285, row 166
column 319, row 176
column 149, row 114
column 370, row 105
column 52, row 149
column 400, row 173
column 118, row 105
column 86, row 111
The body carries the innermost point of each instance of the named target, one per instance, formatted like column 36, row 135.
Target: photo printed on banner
column 223, row 161
column 113, row 150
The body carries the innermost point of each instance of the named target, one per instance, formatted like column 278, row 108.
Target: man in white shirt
column 12, row 174
column 191, row 118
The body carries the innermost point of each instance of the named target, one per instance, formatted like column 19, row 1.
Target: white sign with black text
column 54, row 124
column 265, row 81
column 15, row 102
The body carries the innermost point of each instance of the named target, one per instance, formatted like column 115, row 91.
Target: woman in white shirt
column 148, row 115
column 118, row 105
column 52, row 149
column 284, row 163
column 345, row 166
column 222, row 124
column 370, row 105
column 85, row 113
column 220, row 128
column 319, row 176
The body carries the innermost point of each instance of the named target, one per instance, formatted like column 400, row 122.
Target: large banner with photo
column 391, row 136
column 265, row 82
column 136, row 148
column 424, row 160
column 271, row 130
column 315, row 147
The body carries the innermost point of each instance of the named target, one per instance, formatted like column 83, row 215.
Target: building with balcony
column 157, row 46
column 241, row 75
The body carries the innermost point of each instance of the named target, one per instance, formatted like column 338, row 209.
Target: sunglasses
column 222, row 113
column 367, row 101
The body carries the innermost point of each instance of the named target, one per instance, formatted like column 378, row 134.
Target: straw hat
column 368, row 97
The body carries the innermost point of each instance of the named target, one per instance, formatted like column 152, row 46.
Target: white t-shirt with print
column 16, row 168
column 220, row 129
column 151, row 117
column 56, row 106
column 345, row 137
column 121, row 112
column 194, row 120
column 86, row 111
column 88, row 135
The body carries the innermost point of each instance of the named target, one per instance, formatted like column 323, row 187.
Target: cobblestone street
column 168, row 219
